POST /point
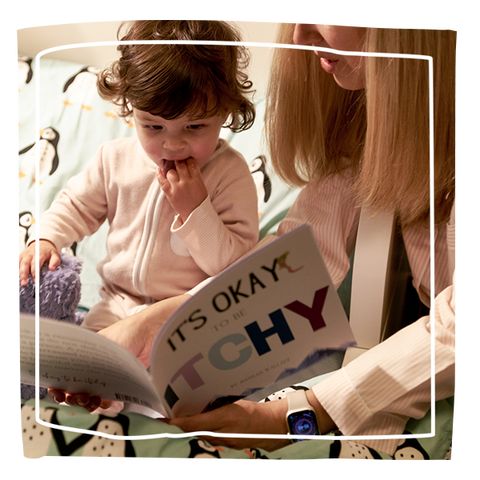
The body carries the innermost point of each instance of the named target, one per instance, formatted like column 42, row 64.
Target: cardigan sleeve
column 224, row 226
column 79, row 210
column 378, row 392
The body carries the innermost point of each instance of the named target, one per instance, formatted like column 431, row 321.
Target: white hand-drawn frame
column 427, row 58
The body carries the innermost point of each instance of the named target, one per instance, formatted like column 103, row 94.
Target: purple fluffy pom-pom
column 60, row 293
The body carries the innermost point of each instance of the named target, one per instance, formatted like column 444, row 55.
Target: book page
column 77, row 360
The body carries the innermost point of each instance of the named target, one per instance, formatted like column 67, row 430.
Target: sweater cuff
column 336, row 392
column 334, row 388
column 178, row 226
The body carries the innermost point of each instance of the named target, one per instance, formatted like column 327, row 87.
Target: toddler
column 180, row 202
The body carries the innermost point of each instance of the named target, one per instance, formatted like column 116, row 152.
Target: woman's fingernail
column 82, row 401
column 94, row 403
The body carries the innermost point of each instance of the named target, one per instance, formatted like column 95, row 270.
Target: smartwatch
column 301, row 418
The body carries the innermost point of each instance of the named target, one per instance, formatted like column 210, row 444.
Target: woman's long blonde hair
column 316, row 128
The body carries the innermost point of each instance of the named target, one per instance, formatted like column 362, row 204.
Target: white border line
column 432, row 239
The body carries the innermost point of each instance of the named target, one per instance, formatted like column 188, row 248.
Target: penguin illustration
column 410, row 449
column 81, row 87
column 95, row 445
column 36, row 437
column 99, row 446
column 25, row 72
column 25, row 221
column 201, row 449
column 350, row 449
column 254, row 453
column 48, row 143
column 260, row 177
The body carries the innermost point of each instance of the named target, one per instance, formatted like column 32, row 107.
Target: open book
column 270, row 320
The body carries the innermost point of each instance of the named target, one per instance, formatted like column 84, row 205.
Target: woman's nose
column 306, row 34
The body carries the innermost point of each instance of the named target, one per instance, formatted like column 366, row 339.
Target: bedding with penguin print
column 25, row 72
column 48, row 141
column 25, row 221
column 260, row 176
column 81, row 88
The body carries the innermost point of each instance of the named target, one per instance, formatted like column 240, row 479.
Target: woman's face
column 348, row 71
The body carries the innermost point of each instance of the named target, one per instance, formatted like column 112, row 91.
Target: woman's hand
column 265, row 418
column 241, row 417
column 129, row 334
column 78, row 399
column 136, row 334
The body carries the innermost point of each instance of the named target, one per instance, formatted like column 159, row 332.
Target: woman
column 354, row 131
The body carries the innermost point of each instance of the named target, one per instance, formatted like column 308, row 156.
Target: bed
column 74, row 120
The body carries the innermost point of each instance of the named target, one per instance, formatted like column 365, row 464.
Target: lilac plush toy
column 60, row 292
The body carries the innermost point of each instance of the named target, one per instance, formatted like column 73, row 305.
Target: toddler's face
column 170, row 141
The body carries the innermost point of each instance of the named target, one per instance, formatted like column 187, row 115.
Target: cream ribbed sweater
column 378, row 392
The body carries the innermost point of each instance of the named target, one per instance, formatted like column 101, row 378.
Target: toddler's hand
column 48, row 253
column 184, row 187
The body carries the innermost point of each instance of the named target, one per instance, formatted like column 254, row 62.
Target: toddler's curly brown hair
column 171, row 80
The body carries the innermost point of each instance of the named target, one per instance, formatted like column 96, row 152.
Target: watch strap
column 297, row 401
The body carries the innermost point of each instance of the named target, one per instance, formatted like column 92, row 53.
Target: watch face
column 303, row 423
